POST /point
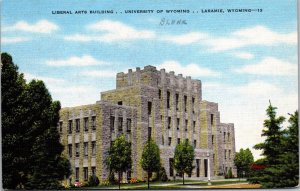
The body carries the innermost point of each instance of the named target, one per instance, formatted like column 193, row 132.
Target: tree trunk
column 119, row 180
column 148, row 179
column 183, row 177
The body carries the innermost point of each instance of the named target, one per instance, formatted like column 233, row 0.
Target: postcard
column 149, row 94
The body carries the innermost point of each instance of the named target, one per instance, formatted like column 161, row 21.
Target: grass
column 177, row 184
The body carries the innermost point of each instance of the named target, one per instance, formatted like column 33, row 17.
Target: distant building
column 169, row 107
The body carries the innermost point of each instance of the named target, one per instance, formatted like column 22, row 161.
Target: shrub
column 93, row 180
column 229, row 173
column 163, row 175
column 105, row 183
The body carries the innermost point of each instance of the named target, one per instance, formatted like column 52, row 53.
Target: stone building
column 167, row 107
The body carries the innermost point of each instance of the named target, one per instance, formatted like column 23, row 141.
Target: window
column 85, row 173
column 85, row 148
column 120, row 103
column 228, row 137
column 77, row 174
column 86, row 124
column 211, row 119
column 213, row 158
column 112, row 123
column 128, row 125
column 194, row 126
column 212, row 139
column 225, row 154
column 77, row 149
column 195, row 143
column 149, row 132
column 159, row 94
column 178, row 123
column 149, row 107
column 224, row 137
column 162, row 140
column 198, row 167
column 77, row 125
column 178, row 140
column 229, row 153
column 93, row 170
column 93, row 148
column 186, row 125
column 169, row 122
column 193, row 104
column 70, row 150
column 185, row 103
column 60, row 126
column 171, row 161
column 70, row 126
column 94, row 123
column 120, row 124
column 177, row 101
column 170, row 141
column 168, row 99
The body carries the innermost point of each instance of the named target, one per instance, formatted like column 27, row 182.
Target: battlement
column 156, row 78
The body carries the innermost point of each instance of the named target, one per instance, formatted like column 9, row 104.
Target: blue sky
column 243, row 59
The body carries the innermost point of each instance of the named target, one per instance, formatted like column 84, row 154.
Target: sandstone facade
column 169, row 107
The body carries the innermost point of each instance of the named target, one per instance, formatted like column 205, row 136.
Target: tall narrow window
column 86, row 124
column 194, row 126
column 171, row 161
column 162, row 140
column 225, row 154
column 212, row 139
column 93, row 148
column 159, row 94
column 77, row 149
column 128, row 125
column 77, row 125
column 224, row 137
column 93, row 170
column 70, row 150
column 178, row 123
column 70, row 126
column 193, row 104
column 85, row 173
column 186, row 125
column 229, row 154
column 94, row 123
column 85, row 148
column 185, row 103
column 120, row 103
column 170, row 141
column 178, row 140
column 77, row 174
column 112, row 123
column 169, row 122
column 149, row 132
column 60, row 126
column 120, row 124
column 198, row 167
column 228, row 137
column 149, row 107
column 211, row 119
column 195, row 143
column 168, row 99
column 213, row 158
column 177, row 101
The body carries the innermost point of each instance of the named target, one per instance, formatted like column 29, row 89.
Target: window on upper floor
column 193, row 104
column 177, row 101
column 128, row 125
column 228, row 137
column 185, row 103
column 120, row 124
column 86, row 124
column 159, row 94
column 77, row 125
column 94, row 123
column 178, row 140
column 60, row 124
column 120, row 103
column 170, row 141
column 70, row 126
column 149, row 107
column 178, row 123
column 112, row 123
column 186, row 125
column 168, row 99
column 212, row 139
column 211, row 119
column 195, row 143
column 169, row 122
column 77, row 149
column 93, row 148
column 70, row 150
column 194, row 126
column 85, row 148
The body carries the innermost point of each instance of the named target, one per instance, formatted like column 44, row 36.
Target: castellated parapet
column 148, row 102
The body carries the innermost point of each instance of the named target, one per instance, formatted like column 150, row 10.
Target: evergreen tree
column 183, row 158
column 31, row 148
column 150, row 160
column 271, row 148
column 119, row 156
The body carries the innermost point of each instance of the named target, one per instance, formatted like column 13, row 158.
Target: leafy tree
column 272, row 148
column 242, row 160
column 119, row 156
column 150, row 160
column 183, row 158
column 31, row 148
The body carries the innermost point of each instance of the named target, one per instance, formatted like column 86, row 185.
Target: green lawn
column 177, row 184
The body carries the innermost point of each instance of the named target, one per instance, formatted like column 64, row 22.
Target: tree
column 289, row 158
column 150, row 160
column 31, row 148
column 183, row 158
column 271, row 148
column 119, row 156
column 242, row 160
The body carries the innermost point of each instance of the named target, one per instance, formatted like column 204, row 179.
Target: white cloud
column 11, row 40
column 189, row 70
column 257, row 35
column 270, row 66
column 185, row 39
column 111, row 31
column 85, row 60
column 99, row 73
column 245, row 106
column 243, row 55
column 48, row 80
column 42, row 26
